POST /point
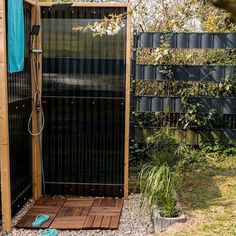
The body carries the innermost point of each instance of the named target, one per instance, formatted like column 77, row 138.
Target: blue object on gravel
column 49, row 232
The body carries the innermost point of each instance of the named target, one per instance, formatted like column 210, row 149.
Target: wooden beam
column 127, row 104
column 31, row 2
column 36, row 160
column 4, row 129
column 88, row 4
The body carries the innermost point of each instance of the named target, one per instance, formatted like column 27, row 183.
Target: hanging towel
column 16, row 41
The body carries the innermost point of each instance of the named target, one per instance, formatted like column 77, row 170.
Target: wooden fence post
column 4, row 129
column 36, row 160
column 127, row 104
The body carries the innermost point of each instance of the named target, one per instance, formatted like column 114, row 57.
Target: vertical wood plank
column 36, row 161
column 127, row 105
column 4, row 128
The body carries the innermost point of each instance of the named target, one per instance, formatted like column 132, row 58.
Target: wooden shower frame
column 4, row 128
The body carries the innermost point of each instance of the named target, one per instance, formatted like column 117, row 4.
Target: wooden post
column 4, row 129
column 36, row 160
column 127, row 105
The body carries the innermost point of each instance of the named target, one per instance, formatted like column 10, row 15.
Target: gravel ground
column 135, row 221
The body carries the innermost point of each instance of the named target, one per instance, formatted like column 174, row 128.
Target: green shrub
column 158, row 179
column 158, row 187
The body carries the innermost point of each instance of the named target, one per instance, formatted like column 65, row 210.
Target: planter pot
column 161, row 223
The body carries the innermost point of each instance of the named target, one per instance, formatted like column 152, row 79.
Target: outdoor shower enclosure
column 85, row 87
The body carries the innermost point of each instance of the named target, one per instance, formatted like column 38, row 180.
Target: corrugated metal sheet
column 19, row 95
column 83, row 97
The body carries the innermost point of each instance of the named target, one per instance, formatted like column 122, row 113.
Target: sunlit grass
column 208, row 197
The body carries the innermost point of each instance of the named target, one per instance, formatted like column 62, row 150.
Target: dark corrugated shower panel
column 83, row 98
column 19, row 100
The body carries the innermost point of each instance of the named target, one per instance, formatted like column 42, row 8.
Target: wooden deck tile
column 75, row 213
column 47, row 206
column 27, row 220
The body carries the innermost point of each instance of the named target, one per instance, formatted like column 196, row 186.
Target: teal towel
column 15, row 35
column 49, row 232
column 39, row 220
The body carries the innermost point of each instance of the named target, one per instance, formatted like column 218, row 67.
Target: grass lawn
column 208, row 197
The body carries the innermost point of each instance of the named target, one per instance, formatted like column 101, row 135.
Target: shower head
column 60, row 6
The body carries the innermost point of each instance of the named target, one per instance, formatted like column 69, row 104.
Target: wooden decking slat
column 105, row 222
column 97, row 222
column 78, row 202
column 104, row 203
column 70, row 211
column 114, row 223
column 23, row 221
column 89, row 222
column 86, row 211
column 78, row 211
column 112, row 202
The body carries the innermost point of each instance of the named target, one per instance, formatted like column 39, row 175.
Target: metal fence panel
column 172, row 107
column 187, row 40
